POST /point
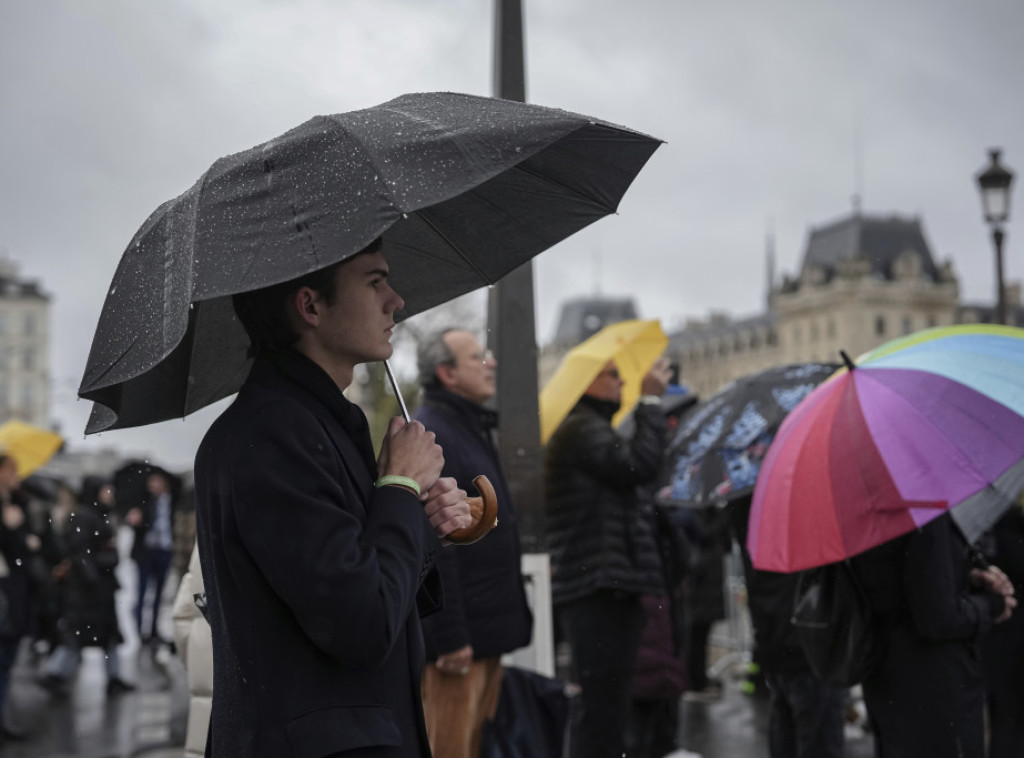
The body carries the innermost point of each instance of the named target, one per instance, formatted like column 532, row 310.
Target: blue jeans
column 806, row 716
column 153, row 567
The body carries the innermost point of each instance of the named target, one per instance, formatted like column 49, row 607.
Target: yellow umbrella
column 30, row 446
column 633, row 345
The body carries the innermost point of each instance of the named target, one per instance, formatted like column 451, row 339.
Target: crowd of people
column 325, row 612
column 59, row 578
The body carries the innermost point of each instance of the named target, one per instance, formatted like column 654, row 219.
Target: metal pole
column 997, row 238
column 511, row 324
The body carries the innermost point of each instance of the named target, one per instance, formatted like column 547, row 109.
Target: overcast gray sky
column 109, row 107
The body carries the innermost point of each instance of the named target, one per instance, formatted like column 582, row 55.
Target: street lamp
column 995, row 181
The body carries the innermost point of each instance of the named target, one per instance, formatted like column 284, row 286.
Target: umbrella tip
column 847, row 360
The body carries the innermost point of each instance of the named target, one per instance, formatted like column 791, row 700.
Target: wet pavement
column 150, row 721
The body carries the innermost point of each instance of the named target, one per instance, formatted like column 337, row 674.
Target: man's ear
column 304, row 305
column 446, row 375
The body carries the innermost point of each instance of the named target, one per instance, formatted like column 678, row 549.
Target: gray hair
column 432, row 352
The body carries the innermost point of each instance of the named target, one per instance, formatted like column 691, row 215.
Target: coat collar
column 484, row 418
column 604, row 408
column 307, row 376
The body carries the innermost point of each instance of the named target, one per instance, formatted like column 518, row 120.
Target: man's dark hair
column 432, row 352
column 264, row 314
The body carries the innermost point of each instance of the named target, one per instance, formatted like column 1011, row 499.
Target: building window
column 773, row 338
column 3, row 323
column 932, row 322
column 880, row 326
column 30, row 324
column 796, row 334
column 28, row 396
column 755, row 341
column 28, row 359
column 908, row 325
column 831, row 328
column 814, row 331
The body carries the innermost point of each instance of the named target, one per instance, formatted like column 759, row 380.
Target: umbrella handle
column 483, row 509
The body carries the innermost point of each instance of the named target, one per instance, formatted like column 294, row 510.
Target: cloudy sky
column 774, row 114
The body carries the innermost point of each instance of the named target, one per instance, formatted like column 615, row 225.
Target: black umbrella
column 462, row 189
column 716, row 454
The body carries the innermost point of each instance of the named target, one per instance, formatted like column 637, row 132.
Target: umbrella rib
column 455, row 248
column 566, row 187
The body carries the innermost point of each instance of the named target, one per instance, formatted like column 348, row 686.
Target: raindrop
column 17, row 561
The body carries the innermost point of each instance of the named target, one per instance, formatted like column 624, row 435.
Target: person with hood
column 87, row 586
column 485, row 613
column 603, row 552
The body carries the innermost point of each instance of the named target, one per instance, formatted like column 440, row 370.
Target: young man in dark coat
column 603, row 553
column 485, row 613
column 313, row 553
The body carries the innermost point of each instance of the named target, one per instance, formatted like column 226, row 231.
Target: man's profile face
column 607, row 385
column 356, row 326
column 473, row 375
column 9, row 479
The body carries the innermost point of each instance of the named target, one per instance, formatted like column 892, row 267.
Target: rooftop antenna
column 858, row 165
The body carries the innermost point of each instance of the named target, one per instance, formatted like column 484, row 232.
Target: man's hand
column 12, row 516
column 456, row 662
column 410, row 450
column 133, row 517
column 446, row 507
column 994, row 580
column 656, row 380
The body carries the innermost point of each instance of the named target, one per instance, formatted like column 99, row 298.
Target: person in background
column 152, row 551
column 806, row 714
column 1002, row 649
column 485, row 613
column 927, row 696
column 88, row 587
column 195, row 648
column 603, row 554
column 17, row 547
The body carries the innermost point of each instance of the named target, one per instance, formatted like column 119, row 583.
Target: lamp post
column 995, row 181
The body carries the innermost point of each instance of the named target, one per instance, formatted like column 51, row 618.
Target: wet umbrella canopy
column 462, row 190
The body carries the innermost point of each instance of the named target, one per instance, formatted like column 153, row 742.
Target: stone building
column 864, row 280
column 24, row 348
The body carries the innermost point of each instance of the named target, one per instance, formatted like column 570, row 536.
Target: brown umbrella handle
column 483, row 509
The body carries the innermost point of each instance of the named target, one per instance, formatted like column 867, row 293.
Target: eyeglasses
column 485, row 357
column 612, row 372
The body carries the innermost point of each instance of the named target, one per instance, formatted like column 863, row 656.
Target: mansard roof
column 583, row 317
column 879, row 240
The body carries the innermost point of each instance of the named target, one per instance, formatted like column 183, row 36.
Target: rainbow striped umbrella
column 926, row 424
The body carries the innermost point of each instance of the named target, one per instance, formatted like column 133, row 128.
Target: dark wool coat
column 311, row 576
column 597, row 535
column 484, row 600
column 88, row 593
column 926, row 697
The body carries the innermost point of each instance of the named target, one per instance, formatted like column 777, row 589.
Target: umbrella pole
column 397, row 391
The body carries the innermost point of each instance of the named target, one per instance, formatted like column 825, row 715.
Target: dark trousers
column 8, row 655
column 653, row 727
column 603, row 630
column 153, row 566
column 806, row 716
column 697, row 655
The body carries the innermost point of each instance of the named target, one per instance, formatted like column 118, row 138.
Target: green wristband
column 402, row 481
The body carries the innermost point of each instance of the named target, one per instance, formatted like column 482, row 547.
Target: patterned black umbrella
column 717, row 452
column 461, row 189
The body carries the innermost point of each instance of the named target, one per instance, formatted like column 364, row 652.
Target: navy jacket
column 484, row 600
column 311, row 576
